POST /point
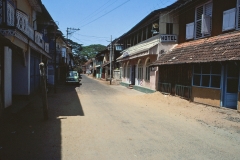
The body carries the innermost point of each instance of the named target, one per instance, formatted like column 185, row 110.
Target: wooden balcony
column 46, row 48
column 23, row 25
column 39, row 39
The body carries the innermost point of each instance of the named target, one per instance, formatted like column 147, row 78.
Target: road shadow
column 25, row 135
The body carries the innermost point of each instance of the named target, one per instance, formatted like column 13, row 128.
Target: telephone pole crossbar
column 71, row 30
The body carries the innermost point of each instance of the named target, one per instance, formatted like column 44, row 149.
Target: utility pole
column 111, row 61
column 71, row 30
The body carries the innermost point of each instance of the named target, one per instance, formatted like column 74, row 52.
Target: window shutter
column 190, row 30
column 238, row 14
column 229, row 19
column 206, row 20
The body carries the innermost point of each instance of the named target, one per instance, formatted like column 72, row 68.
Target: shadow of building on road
column 25, row 135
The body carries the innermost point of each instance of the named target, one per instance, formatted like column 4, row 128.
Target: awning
column 142, row 48
column 224, row 47
column 97, row 66
column 106, row 64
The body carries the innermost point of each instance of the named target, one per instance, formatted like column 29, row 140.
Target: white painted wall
column 20, row 74
column 7, row 77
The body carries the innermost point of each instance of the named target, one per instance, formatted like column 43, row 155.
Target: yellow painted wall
column 60, row 42
column 24, row 6
column 206, row 96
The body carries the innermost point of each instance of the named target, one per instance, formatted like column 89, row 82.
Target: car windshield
column 71, row 74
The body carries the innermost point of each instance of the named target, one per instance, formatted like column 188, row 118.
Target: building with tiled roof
column 155, row 34
column 224, row 47
column 204, row 66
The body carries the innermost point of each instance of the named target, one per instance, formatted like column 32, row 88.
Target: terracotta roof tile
column 224, row 47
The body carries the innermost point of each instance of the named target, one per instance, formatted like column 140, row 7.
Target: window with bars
column 203, row 20
column 147, row 78
column 207, row 75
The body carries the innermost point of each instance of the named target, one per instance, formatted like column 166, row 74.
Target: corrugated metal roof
column 224, row 47
column 141, row 47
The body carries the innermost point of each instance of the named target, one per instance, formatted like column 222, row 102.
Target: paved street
column 99, row 121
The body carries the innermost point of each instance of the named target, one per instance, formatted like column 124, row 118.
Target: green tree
column 82, row 53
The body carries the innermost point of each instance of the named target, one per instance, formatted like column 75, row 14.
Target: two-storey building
column 155, row 35
column 20, row 61
column 110, row 62
column 99, row 70
column 204, row 66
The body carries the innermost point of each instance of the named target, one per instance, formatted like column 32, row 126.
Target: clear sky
column 99, row 19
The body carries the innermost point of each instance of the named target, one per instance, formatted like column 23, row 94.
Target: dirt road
column 99, row 121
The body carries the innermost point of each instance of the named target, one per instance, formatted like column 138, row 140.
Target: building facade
column 155, row 35
column 20, row 61
column 204, row 66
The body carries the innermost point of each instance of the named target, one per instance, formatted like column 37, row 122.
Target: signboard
column 168, row 38
column 119, row 48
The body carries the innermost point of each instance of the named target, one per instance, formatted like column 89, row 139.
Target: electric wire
column 161, row 16
column 105, row 14
column 82, row 39
column 90, row 36
column 110, row 12
column 95, row 12
column 177, row 13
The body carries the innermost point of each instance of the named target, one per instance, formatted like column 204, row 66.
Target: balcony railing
column 46, row 48
column 10, row 14
column 30, row 32
column 23, row 25
column 22, row 21
column 39, row 39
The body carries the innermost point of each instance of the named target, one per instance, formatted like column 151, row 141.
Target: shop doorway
column 231, row 82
